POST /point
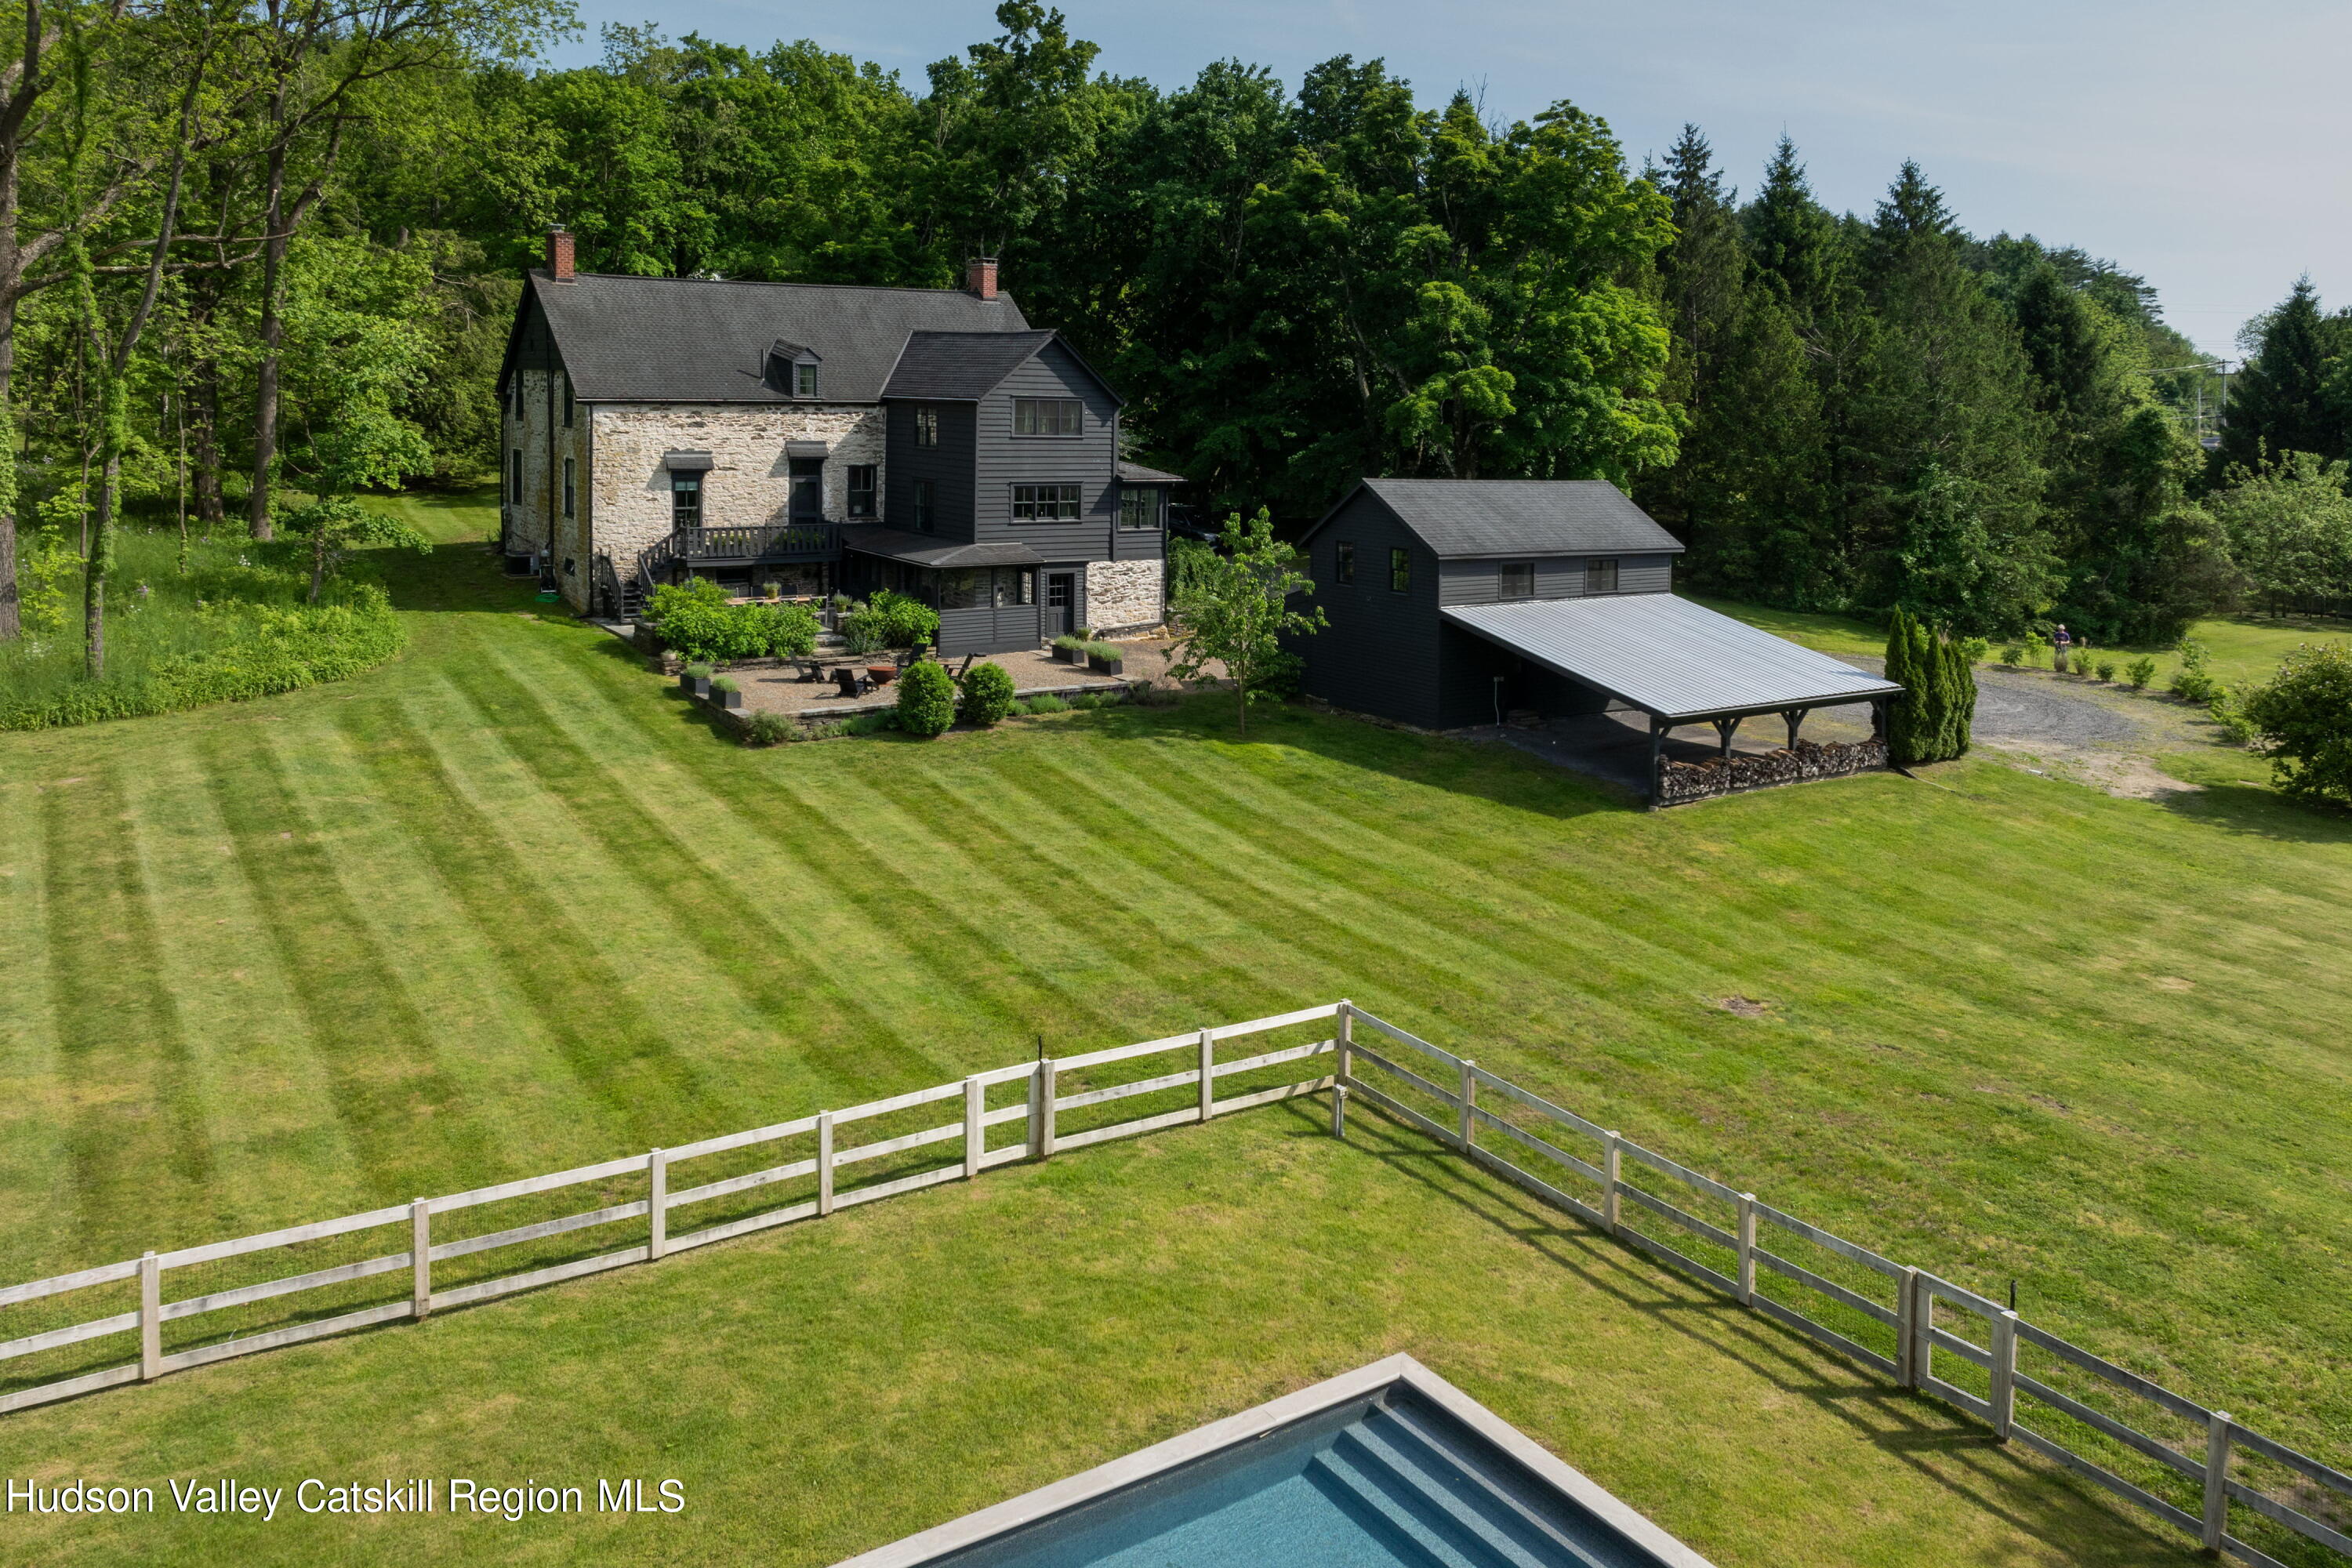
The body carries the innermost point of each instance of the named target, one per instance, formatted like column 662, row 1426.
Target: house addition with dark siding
column 827, row 437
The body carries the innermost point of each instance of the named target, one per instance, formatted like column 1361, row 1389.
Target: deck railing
column 464, row 1248
column 772, row 542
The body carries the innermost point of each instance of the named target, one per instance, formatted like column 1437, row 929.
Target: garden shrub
column 1975, row 648
column 1046, row 702
column 770, row 729
column 890, row 620
column 2014, row 655
column 987, row 694
column 787, row 631
column 2139, row 673
column 926, row 699
column 868, row 723
column 2193, row 682
column 2302, row 720
column 695, row 619
column 2106, row 668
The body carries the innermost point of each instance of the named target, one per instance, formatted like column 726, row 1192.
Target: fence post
column 1346, row 1040
column 1469, row 1105
column 1906, row 1330
column 151, row 1319
column 2004, row 1374
column 420, row 1257
column 823, row 1162
column 1611, row 1166
column 1747, row 1249
column 1208, row 1072
column 1338, row 1111
column 975, row 1137
column 1923, row 1359
column 2217, row 1479
column 1048, row 1080
column 656, row 1206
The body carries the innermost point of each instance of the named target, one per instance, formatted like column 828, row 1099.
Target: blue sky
column 2202, row 146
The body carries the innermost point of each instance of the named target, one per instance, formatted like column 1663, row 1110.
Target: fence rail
column 2212, row 1468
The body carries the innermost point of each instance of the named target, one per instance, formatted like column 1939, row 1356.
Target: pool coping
column 1144, row 1464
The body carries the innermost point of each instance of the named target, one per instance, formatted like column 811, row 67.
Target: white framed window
column 1047, row 416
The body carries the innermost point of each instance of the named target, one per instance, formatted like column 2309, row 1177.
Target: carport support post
column 1726, row 728
column 1657, row 760
column 1793, row 717
column 1878, row 717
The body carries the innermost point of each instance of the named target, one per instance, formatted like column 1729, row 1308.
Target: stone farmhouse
column 828, row 439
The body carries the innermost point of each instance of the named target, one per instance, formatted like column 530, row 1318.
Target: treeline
column 265, row 251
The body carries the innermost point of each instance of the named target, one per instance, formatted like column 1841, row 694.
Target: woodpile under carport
column 1680, row 783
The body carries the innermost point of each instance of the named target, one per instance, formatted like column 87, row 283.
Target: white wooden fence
column 2213, row 1461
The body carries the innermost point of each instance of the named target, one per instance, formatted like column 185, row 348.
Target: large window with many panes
column 1047, row 416
column 1045, row 503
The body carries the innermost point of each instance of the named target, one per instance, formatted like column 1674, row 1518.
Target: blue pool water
column 1373, row 1485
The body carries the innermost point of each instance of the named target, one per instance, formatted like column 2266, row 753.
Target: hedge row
column 277, row 651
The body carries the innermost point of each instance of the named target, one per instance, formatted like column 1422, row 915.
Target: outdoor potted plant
column 1105, row 659
column 772, row 591
column 726, row 694
column 1070, row 649
column 695, row 681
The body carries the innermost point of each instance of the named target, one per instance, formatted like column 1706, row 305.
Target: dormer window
column 791, row 369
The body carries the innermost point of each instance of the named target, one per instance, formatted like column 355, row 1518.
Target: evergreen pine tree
column 1702, row 274
column 2281, row 402
column 1941, row 446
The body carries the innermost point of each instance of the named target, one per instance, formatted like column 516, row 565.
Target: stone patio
column 1033, row 671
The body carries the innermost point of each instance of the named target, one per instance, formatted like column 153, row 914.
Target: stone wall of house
column 1124, row 596
column 749, row 481
column 527, row 520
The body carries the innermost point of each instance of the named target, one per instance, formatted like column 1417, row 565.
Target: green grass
column 2243, row 648
column 507, row 904
column 821, row 1390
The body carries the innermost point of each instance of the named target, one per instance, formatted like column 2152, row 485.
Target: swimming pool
column 1385, row 1465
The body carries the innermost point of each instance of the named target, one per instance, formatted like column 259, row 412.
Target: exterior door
column 808, row 490
column 1060, row 603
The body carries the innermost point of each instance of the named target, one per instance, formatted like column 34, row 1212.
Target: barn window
column 861, row 489
column 567, row 401
column 1600, row 575
column 1046, row 503
column 927, row 426
column 1343, row 562
column 514, row 479
column 571, row 489
column 1400, row 571
column 1518, row 580
column 686, row 501
column 923, row 505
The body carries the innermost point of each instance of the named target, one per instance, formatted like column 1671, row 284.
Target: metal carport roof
column 1668, row 657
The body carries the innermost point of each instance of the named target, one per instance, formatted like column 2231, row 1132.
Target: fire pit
column 882, row 674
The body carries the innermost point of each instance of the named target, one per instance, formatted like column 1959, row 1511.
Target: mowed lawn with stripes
column 507, row 904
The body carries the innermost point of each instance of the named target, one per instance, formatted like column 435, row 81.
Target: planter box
column 1102, row 666
column 732, row 701
column 1067, row 656
column 699, row 685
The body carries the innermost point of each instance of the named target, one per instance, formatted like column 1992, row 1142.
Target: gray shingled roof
column 1136, row 474
column 1668, row 656
column 960, row 367
column 1465, row 519
column 924, row 549
column 693, row 340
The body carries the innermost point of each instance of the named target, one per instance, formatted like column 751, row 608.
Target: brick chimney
column 559, row 254
column 979, row 277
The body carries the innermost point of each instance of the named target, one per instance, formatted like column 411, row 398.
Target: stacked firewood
column 1680, row 782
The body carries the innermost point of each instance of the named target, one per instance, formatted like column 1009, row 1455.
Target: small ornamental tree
column 337, row 525
column 2302, row 720
column 987, row 694
column 926, row 698
column 1234, row 608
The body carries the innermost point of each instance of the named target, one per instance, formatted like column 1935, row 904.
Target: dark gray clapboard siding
column 1556, row 577
column 1089, row 460
column 1378, row 653
column 948, row 467
column 986, row 629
